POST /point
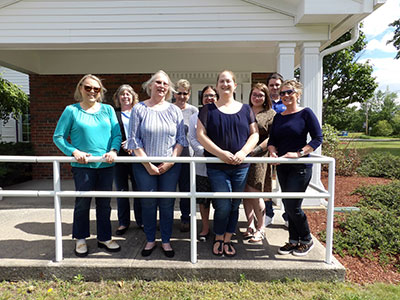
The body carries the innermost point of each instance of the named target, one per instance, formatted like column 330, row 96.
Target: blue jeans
column 226, row 211
column 295, row 178
column 123, row 172
column 184, row 186
column 157, row 183
column 91, row 179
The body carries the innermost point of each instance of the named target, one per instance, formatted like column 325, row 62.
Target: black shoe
column 303, row 249
column 147, row 252
column 203, row 237
column 169, row 253
column 121, row 231
column 287, row 249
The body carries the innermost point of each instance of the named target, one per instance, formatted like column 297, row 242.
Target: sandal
column 231, row 251
column 248, row 233
column 220, row 247
column 257, row 237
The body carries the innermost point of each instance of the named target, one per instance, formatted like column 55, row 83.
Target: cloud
column 386, row 71
column 381, row 44
column 379, row 20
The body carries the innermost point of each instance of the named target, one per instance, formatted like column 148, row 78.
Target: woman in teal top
column 93, row 131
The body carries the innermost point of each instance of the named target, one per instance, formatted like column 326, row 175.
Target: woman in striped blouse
column 156, row 128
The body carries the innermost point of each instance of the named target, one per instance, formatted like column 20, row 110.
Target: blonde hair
column 295, row 85
column 78, row 94
column 120, row 90
column 147, row 85
column 183, row 83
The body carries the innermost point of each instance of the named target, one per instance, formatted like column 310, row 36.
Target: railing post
column 57, row 211
column 331, row 205
column 193, row 219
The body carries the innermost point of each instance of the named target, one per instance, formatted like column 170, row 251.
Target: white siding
column 57, row 22
column 18, row 78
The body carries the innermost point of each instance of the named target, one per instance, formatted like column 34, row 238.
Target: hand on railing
column 80, row 156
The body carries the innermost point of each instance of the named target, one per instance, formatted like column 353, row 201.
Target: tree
column 396, row 37
column 13, row 101
column 345, row 80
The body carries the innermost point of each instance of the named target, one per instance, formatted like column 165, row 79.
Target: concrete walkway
column 27, row 249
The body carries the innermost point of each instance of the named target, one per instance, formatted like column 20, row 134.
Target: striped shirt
column 156, row 131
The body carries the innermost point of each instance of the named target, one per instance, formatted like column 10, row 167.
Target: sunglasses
column 182, row 93
column 283, row 93
column 89, row 88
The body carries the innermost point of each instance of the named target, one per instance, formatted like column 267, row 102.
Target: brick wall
column 50, row 94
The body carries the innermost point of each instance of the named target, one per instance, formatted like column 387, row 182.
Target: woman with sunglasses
column 182, row 96
column 93, row 131
column 124, row 99
column 208, row 95
column 156, row 128
column 259, row 177
column 227, row 129
column 288, row 139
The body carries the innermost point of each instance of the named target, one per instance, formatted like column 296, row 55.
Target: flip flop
column 230, row 248
column 220, row 247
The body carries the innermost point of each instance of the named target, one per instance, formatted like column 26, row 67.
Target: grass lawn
column 391, row 146
column 244, row 289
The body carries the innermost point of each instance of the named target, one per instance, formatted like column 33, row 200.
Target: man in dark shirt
column 274, row 82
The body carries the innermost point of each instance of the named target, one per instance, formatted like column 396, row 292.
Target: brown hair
column 267, row 104
column 120, row 90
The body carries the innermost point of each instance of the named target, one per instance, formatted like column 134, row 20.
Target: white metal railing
column 58, row 194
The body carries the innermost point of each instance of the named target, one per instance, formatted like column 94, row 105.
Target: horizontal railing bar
column 66, row 159
column 32, row 193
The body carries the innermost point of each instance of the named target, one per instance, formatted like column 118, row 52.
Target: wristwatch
column 301, row 153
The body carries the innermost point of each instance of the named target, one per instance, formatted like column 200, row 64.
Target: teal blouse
column 95, row 133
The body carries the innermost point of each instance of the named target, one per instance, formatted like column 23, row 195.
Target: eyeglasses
column 283, row 93
column 258, row 95
column 89, row 88
column 159, row 82
column 209, row 95
column 182, row 93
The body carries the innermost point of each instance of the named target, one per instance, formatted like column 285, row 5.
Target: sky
column 381, row 56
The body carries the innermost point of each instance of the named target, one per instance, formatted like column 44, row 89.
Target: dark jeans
column 184, row 186
column 295, row 178
column 123, row 172
column 269, row 210
column 157, row 183
column 92, row 179
column 226, row 211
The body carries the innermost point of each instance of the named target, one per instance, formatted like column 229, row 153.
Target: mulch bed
column 358, row 270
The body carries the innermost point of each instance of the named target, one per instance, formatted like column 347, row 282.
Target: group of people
column 271, row 124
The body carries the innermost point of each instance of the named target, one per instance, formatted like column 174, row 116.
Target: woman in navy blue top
column 227, row 129
column 288, row 139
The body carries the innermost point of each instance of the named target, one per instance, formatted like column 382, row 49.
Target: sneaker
column 185, row 227
column 109, row 245
column 303, row 249
column 81, row 249
column 268, row 221
column 287, row 249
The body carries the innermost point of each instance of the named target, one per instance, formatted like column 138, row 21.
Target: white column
column 285, row 60
column 311, row 78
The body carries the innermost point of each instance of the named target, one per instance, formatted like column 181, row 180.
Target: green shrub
column 375, row 229
column 347, row 160
column 380, row 164
column 382, row 128
column 10, row 172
